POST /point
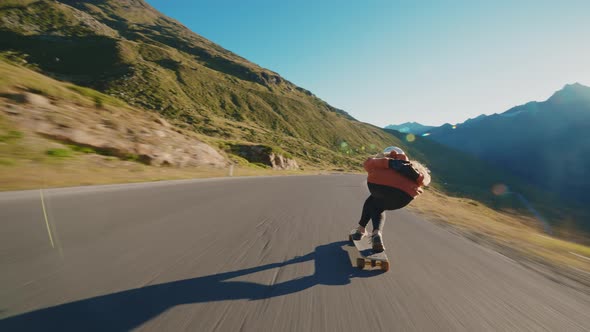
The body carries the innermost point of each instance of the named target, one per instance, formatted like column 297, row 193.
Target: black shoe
column 356, row 236
column 377, row 243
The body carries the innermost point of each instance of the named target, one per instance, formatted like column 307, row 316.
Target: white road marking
column 46, row 220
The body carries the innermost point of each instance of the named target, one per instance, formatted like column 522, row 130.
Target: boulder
column 280, row 162
column 263, row 154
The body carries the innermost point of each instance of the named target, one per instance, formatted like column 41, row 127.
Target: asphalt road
column 253, row 254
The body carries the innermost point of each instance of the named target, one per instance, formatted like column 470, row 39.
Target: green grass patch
column 16, row 58
column 16, row 3
column 99, row 99
column 132, row 157
column 237, row 160
column 11, row 135
column 19, row 77
column 82, row 149
column 7, row 162
column 261, row 165
column 104, row 152
column 59, row 153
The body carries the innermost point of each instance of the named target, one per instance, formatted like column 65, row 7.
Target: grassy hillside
column 128, row 50
column 55, row 134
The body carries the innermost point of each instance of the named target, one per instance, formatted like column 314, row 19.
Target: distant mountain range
column 546, row 143
column 411, row 127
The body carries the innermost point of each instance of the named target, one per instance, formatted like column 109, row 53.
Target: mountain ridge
column 544, row 142
column 410, row 127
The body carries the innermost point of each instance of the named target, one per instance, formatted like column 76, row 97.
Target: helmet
column 395, row 153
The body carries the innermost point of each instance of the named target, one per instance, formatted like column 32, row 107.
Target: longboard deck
column 368, row 257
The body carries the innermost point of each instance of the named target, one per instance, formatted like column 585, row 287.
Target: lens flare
column 425, row 134
column 344, row 147
column 499, row 189
column 454, row 127
column 410, row 137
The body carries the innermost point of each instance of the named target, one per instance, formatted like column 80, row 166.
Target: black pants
column 382, row 198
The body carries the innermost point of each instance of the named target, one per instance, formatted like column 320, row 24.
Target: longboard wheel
column 385, row 266
column 360, row 263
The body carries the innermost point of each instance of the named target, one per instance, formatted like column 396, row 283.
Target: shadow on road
column 128, row 309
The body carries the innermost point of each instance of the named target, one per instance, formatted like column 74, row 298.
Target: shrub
column 82, row 149
column 59, row 153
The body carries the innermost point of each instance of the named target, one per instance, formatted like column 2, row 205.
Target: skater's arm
column 374, row 163
column 405, row 168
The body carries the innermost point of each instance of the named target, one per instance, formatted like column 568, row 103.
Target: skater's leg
column 367, row 211
column 378, row 218
column 365, row 217
column 377, row 236
column 391, row 202
column 387, row 198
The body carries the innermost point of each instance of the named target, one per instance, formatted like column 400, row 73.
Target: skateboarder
column 394, row 182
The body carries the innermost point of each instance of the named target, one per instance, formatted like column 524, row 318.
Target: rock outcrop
column 265, row 155
column 123, row 133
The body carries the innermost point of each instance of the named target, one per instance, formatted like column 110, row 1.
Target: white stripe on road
column 46, row 220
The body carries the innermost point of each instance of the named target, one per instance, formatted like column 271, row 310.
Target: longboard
column 368, row 257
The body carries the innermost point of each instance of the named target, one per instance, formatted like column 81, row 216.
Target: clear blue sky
column 395, row 61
